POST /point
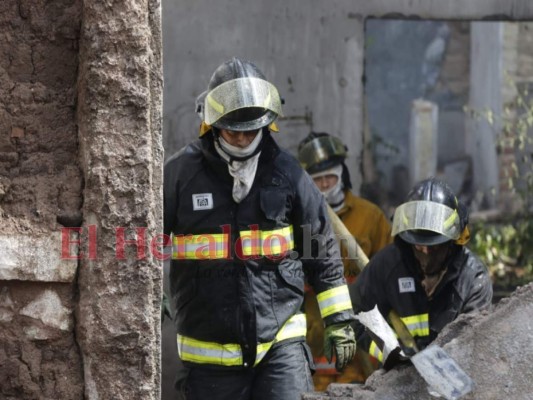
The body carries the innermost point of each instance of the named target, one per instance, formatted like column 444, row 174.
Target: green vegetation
column 506, row 246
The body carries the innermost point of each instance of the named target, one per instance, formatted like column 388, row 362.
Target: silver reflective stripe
column 208, row 352
column 418, row 325
column 334, row 300
column 296, row 326
column 262, row 350
column 201, row 352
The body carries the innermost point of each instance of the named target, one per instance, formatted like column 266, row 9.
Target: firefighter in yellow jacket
column 323, row 158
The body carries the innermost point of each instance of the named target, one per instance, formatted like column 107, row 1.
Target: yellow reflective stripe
column 418, row 325
column 404, row 217
column 208, row 352
column 215, row 105
column 375, row 351
column 334, row 300
column 201, row 352
column 451, row 220
column 296, row 326
column 262, row 349
column 200, row 247
column 267, row 243
column 215, row 245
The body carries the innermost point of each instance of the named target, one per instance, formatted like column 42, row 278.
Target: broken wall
column 80, row 149
column 313, row 53
column 40, row 191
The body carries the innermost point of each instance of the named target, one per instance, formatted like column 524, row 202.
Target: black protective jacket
column 392, row 280
column 240, row 300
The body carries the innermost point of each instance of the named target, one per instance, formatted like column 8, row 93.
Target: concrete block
column 49, row 309
column 29, row 258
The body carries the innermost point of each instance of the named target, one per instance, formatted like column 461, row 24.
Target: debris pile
column 495, row 349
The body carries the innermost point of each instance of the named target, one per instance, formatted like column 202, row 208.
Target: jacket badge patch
column 202, row 201
column 406, row 285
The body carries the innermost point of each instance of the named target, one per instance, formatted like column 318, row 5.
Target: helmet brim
column 423, row 238
column 426, row 218
column 242, row 126
column 321, row 153
column 228, row 99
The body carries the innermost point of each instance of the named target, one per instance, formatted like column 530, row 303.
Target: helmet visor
column 427, row 216
column 241, row 93
column 319, row 150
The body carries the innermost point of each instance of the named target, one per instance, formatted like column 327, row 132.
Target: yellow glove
column 340, row 337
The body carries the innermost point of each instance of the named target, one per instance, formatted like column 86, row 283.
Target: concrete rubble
column 494, row 348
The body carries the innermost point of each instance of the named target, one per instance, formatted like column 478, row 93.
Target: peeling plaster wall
column 80, row 146
column 39, row 356
column 40, row 183
column 40, row 191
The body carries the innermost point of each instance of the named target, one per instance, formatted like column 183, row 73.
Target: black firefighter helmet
column 320, row 151
column 431, row 215
column 239, row 98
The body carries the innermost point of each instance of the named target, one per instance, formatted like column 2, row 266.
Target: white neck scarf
column 238, row 151
column 243, row 172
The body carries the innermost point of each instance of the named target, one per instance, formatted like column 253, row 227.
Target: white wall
column 313, row 54
column 313, row 51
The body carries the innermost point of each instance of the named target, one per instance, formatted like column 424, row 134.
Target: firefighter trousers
column 284, row 373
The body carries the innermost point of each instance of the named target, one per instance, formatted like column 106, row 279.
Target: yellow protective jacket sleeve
column 366, row 222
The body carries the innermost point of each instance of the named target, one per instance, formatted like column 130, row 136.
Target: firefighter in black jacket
column 248, row 227
column 427, row 275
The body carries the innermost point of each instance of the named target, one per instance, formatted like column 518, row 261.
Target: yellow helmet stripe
column 451, row 220
column 215, row 105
